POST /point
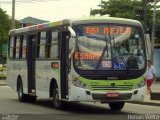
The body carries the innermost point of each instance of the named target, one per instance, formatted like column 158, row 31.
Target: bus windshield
column 109, row 47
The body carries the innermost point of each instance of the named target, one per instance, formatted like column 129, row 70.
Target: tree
column 5, row 26
column 158, row 28
column 132, row 9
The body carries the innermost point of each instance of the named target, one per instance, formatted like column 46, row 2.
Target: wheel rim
column 20, row 92
column 56, row 96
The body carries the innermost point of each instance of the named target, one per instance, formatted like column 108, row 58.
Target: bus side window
column 17, row 47
column 54, row 50
column 11, row 47
column 42, row 44
column 24, row 47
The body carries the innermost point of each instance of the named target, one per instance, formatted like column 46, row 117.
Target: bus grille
column 109, row 87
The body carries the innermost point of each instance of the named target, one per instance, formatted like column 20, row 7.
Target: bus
column 79, row 60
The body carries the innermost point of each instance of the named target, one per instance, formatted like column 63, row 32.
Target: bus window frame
column 13, row 47
column 48, row 39
column 21, row 46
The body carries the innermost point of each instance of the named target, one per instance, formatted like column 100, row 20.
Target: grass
column 2, row 76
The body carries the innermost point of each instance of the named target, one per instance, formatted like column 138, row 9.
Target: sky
column 50, row 10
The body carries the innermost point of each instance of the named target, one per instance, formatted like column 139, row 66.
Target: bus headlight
column 78, row 83
column 141, row 84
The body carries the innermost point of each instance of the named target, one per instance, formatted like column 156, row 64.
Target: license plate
column 112, row 94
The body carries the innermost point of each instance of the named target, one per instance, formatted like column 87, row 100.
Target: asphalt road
column 11, row 108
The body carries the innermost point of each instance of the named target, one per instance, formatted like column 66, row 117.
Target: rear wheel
column 21, row 95
column 31, row 99
column 24, row 97
column 116, row 105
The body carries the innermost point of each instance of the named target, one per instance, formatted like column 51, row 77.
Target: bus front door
column 64, row 64
column 31, row 63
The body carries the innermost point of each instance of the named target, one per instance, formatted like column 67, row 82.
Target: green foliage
column 4, row 26
column 158, row 28
column 132, row 9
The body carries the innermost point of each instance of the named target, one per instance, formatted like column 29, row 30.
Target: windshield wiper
column 78, row 50
column 102, row 55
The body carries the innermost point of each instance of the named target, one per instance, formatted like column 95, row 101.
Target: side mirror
column 72, row 38
column 72, row 41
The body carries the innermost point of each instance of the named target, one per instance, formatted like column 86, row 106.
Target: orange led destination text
column 108, row 30
column 86, row 56
column 92, row 30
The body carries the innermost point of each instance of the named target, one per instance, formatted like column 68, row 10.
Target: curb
column 146, row 103
column 3, row 84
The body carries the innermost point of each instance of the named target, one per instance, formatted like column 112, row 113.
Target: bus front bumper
column 87, row 95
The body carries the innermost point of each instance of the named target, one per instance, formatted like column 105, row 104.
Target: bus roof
column 76, row 21
column 38, row 27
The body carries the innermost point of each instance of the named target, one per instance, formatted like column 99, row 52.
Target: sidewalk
column 3, row 82
column 147, row 100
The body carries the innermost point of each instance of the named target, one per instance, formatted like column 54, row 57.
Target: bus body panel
column 10, row 74
column 80, row 94
column 44, row 74
column 128, row 90
column 17, row 68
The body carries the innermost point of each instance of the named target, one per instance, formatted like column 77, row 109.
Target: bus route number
column 92, row 30
column 55, row 65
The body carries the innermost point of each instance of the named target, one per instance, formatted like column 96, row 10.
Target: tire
column 21, row 95
column 116, row 105
column 24, row 97
column 58, row 104
column 31, row 99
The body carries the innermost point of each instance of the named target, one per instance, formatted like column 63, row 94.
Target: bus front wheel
column 116, row 105
column 57, row 103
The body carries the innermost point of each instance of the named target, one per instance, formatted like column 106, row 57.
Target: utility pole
column 90, row 11
column 153, row 28
column 13, row 14
column 145, row 15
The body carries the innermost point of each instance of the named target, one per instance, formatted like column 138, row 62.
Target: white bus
column 92, row 59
